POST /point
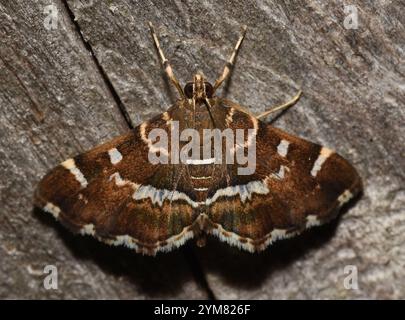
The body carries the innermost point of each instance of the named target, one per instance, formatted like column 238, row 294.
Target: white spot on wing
column 344, row 197
column 71, row 166
column 83, row 198
column 277, row 234
column 52, row 209
column 87, row 229
column 312, row 221
column 166, row 117
column 282, row 148
column 323, row 155
column 115, row 155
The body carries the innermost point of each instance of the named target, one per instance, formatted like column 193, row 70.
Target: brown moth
column 114, row 193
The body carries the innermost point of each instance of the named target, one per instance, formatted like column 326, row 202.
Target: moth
column 116, row 194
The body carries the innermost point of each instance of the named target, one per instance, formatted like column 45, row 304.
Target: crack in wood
column 100, row 68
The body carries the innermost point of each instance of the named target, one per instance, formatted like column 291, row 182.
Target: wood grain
column 55, row 102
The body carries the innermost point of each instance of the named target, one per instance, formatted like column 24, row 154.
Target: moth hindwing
column 147, row 190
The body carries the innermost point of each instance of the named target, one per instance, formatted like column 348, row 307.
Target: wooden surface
column 66, row 90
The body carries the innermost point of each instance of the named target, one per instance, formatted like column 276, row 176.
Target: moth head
column 199, row 89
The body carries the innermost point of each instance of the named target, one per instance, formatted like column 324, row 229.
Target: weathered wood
column 354, row 95
column 54, row 104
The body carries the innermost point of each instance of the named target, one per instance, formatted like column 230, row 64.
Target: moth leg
column 166, row 65
column 229, row 64
column 281, row 107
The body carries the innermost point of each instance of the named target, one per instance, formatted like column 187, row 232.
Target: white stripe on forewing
column 151, row 146
column 323, row 155
column 160, row 195
column 70, row 165
column 88, row 229
column 155, row 195
column 52, row 209
column 312, row 221
column 282, row 148
column 115, row 155
column 245, row 191
column 166, row 117
column 344, row 197
column 121, row 182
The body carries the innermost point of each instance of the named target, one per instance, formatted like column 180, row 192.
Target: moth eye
column 188, row 90
column 209, row 90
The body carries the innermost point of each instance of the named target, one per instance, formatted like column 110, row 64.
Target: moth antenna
column 165, row 63
column 231, row 61
column 288, row 104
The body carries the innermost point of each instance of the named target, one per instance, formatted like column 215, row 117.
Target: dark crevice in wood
column 104, row 75
column 198, row 271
